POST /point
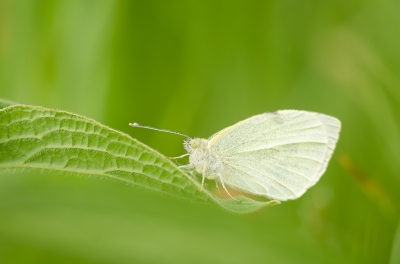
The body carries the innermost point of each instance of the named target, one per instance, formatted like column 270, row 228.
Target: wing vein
column 274, row 180
column 283, row 144
column 268, row 132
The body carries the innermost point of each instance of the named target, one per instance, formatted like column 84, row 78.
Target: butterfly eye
column 193, row 143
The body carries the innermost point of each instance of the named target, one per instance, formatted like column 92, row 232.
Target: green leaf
column 37, row 138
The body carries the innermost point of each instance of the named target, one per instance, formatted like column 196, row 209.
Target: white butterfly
column 278, row 155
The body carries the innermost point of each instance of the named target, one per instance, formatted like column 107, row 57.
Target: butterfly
column 278, row 155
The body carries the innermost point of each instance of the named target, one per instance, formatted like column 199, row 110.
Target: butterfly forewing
column 278, row 154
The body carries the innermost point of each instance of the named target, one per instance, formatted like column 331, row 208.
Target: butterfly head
column 193, row 144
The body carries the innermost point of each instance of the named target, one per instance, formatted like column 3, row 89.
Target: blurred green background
column 197, row 67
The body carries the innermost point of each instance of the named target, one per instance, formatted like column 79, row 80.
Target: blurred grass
column 197, row 67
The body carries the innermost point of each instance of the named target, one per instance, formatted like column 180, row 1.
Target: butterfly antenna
column 158, row 129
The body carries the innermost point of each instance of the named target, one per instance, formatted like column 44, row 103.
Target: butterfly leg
column 202, row 180
column 188, row 168
column 217, row 186
column 226, row 190
column 179, row 157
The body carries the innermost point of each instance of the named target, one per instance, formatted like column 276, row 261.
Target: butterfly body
column 202, row 158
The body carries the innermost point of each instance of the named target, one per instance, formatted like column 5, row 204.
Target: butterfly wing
column 279, row 155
